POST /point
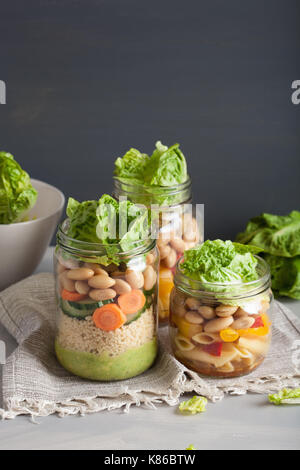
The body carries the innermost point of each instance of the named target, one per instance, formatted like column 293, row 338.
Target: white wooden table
column 245, row 422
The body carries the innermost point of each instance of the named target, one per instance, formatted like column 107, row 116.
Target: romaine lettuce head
column 166, row 166
column 285, row 275
column 277, row 235
column 109, row 223
column 17, row 195
column 219, row 261
column 131, row 166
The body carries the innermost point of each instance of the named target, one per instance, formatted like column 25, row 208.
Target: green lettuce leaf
column 221, row 262
column 285, row 275
column 17, row 195
column 166, row 167
column 112, row 224
column 277, row 235
column 131, row 166
column 286, row 396
column 194, row 405
column 83, row 220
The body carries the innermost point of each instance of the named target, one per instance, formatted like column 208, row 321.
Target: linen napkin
column 34, row 383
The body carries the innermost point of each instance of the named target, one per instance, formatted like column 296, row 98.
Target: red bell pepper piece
column 179, row 255
column 258, row 323
column 215, row 349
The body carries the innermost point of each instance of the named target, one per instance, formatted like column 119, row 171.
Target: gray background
column 87, row 79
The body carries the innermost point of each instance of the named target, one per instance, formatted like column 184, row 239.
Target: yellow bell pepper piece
column 229, row 335
column 260, row 331
column 185, row 328
column 165, row 288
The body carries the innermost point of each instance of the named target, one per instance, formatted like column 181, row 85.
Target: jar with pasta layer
column 221, row 330
column 106, row 313
column 179, row 226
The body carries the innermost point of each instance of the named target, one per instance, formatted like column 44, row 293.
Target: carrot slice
column 109, row 317
column 72, row 296
column 132, row 302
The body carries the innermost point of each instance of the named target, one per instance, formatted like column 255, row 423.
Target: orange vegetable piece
column 260, row 331
column 229, row 335
column 132, row 301
column 109, row 317
column 72, row 296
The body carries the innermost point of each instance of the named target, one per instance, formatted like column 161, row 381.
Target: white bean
column 102, row 294
column 193, row 303
column 164, row 251
column 218, row 324
column 171, row 259
column 80, row 274
column 149, row 278
column 67, row 283
column 121, row 287
column 243, row 323
column 225, row 310
column 193, row 317
column 101, row 281
column 207, row 312
column 82, row 287
column 134, row 278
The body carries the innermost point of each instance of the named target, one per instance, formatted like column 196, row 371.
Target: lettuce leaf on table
column 285, row 275
column 277, row 235
column 17, row 195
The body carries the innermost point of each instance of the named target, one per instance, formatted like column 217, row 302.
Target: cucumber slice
column 134, row 316
column 81, row 309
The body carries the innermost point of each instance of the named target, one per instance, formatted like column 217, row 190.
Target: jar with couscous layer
column 179, row 226
column 106, row 316
column 221, row 330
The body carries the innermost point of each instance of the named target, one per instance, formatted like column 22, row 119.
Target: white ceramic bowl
column 22, row 245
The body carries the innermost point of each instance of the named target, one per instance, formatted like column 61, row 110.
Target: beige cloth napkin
column 35, row 384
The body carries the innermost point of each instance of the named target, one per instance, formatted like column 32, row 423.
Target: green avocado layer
column 104, row 367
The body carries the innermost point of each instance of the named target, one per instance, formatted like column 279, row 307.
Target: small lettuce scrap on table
column 17, row 195
column 286, row 396
column 194, row 405
column 109, row 223
column 279, row 237
column 166, row 167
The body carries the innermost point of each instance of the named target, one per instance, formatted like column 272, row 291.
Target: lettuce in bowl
column 17, row 195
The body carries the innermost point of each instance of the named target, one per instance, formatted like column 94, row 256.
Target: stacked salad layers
column 106, row 285
column 279, row 238
column 219, row 309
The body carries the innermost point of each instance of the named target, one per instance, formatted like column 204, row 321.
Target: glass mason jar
column 106, row 315
column 179, row 225
column 220, row 334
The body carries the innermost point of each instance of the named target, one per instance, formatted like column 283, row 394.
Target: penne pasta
column 256, row 346
column 205, row 338
column 183, row 343
column 228, row 367
column 229, row 353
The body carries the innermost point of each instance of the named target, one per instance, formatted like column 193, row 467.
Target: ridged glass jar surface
column 221, row 334
column 115, row 342
column 179, row 227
